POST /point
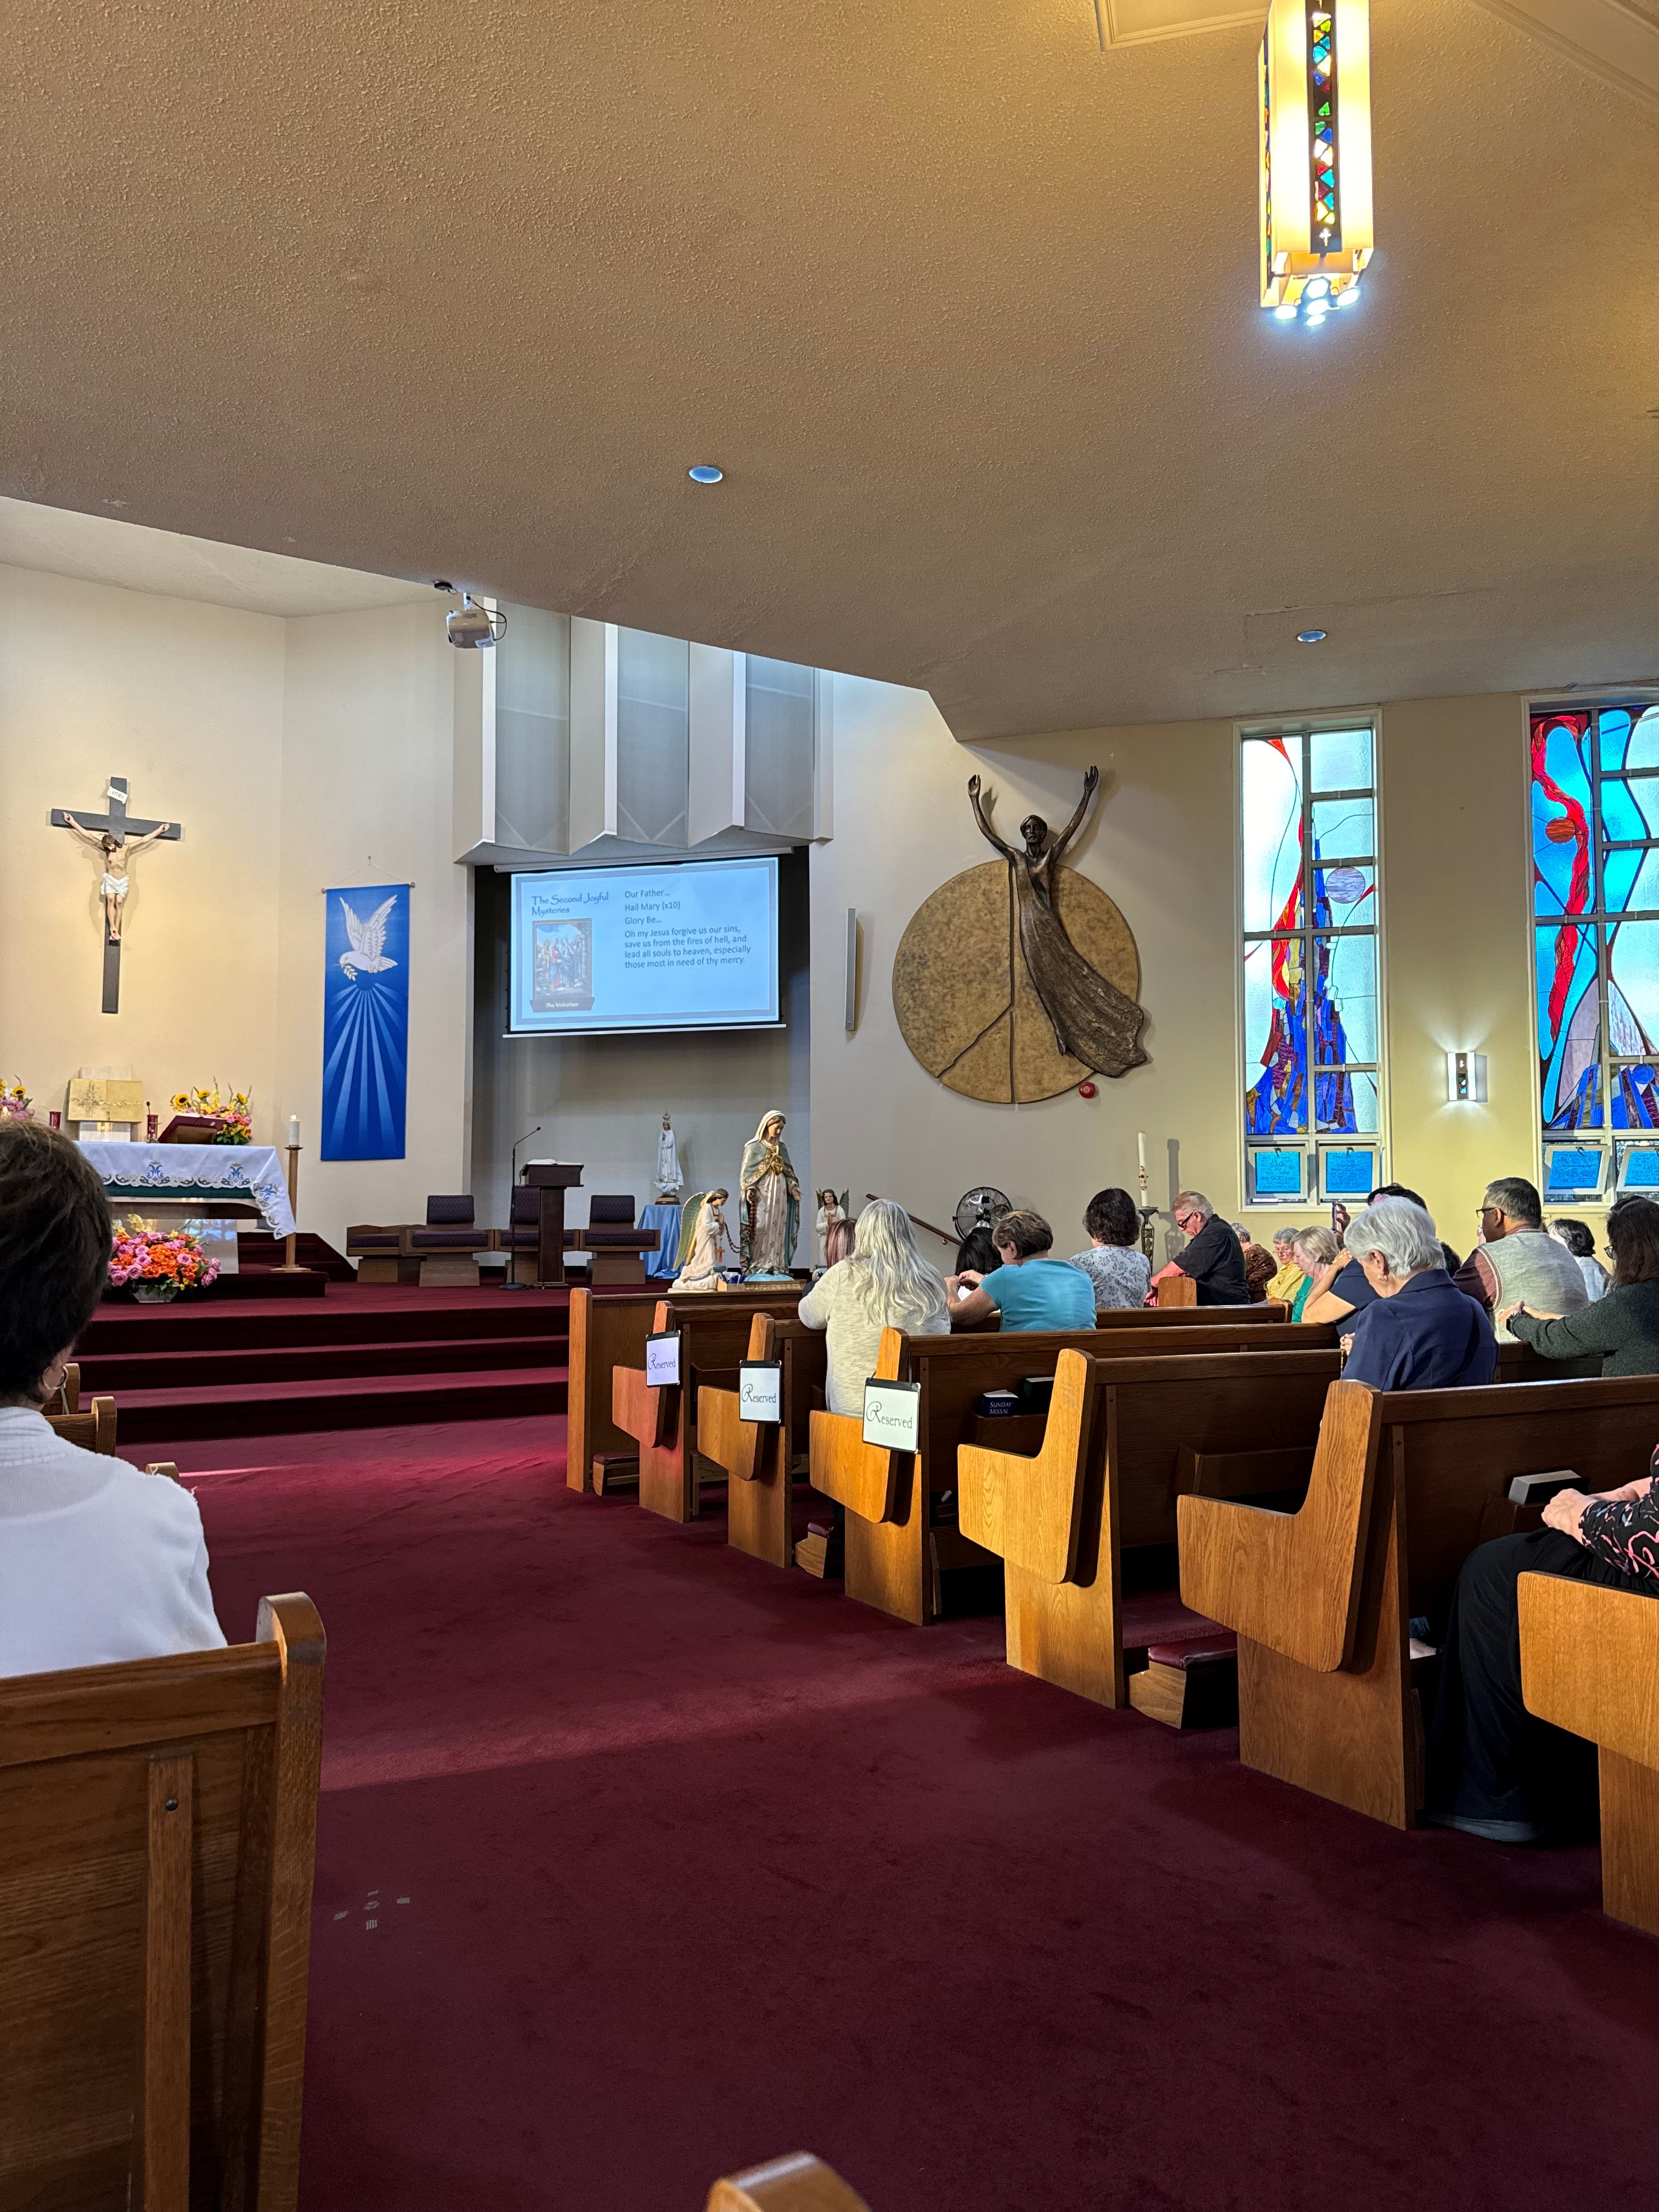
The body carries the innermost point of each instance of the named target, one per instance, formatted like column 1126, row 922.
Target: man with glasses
column 1517, row 1262
column 1213, row 1256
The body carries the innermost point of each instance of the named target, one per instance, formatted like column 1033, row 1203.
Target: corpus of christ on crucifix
column 115, row 837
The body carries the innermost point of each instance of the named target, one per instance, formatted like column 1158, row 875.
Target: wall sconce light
column 1466, row 1078
column 1317, row 218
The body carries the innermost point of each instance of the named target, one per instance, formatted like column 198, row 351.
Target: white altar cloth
column 205, row 1171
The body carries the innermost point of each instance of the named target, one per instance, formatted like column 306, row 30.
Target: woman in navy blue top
column 1420, row 1332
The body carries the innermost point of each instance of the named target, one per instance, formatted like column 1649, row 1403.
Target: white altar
column 174, row 1173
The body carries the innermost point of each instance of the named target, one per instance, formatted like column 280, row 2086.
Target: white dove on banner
column 367, row 940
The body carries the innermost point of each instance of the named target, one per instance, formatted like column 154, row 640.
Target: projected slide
column 689, row 946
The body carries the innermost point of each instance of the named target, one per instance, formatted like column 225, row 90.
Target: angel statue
column 835, row 1227
column 704, row 1240
column 1092, row 1020
column 368, row 940
column 770, row 1197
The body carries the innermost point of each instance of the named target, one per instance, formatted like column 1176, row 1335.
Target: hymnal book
column 1539, row 1489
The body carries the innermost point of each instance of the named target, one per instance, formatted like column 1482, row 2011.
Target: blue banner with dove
column 366, row 1023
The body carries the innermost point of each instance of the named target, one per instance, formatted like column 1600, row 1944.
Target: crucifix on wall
column 114, row 837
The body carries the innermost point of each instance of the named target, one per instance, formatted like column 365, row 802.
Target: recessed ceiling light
column 1310, row 637
column 705, row 473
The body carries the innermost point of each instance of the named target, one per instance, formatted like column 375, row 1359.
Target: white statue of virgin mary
column 770, row 1199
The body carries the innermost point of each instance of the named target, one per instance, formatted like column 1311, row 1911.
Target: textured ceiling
column 963, row 305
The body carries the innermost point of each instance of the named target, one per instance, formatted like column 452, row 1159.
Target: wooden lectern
column 550, row 1182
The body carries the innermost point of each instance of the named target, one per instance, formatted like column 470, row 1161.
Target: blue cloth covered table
column 665, row 1220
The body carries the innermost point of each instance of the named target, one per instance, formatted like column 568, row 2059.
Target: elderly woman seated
column 1419, row 1333
column 1495, row 1770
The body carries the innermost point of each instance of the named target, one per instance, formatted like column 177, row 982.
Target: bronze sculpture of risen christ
column 1092, row 1020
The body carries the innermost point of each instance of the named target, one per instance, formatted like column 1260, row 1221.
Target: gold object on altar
column 105, row 1098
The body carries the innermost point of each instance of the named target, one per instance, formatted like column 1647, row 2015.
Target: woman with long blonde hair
column 886, row 1284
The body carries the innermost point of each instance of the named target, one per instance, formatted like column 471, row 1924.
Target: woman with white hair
column 1420, row 1332
column 886, row 1284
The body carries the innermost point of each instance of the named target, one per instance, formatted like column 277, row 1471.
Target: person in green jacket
column 1624, row 1325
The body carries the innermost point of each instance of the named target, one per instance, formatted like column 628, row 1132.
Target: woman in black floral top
column 1494, row 1769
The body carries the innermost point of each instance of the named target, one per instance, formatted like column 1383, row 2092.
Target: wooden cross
column 118, row 824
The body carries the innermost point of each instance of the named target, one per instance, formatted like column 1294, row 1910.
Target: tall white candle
column 294, row 1130
column 1140, row 1147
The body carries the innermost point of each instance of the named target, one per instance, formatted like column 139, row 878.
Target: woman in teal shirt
column 1314, row 1249
column 1028, row 1291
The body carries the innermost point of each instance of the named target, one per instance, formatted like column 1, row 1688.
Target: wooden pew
column 800, row 2184
column 1404, row 1486
column 1124, row 1439
column 611, row 1332
column 1190, row 1315
column 1589, row 1662
column 160, row 1820
column 894, row 1552
column 94, row 1430
column 761, row 1459
column 662, row 1419
column 1176, row 1292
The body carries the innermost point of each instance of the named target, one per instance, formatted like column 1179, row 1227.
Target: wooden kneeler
column 1061, row 1596
column 1589, row 1663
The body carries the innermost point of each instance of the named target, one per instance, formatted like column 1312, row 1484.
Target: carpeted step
column 175, row 1369
column 252, row 1409
column 347, row 1314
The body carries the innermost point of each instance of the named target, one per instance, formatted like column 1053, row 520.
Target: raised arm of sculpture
column 980, row 817
column 1090, row 781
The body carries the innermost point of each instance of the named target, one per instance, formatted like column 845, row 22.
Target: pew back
column 1404, row 1486
column 662, row 1418
column 608, row 1332
column 760, row 1458
column 1189, row 1314
column 159, row 1822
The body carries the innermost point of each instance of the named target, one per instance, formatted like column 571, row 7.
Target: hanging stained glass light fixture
column 1316, row 224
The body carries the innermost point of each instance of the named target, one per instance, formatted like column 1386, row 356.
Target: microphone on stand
column 507, row 1283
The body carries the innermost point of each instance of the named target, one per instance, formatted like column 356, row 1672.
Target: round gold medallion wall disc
column 963, row 997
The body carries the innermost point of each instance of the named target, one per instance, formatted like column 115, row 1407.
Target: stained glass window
column 1596, row 920
column 1312, row 1025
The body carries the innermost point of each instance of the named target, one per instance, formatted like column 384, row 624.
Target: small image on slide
column 562, row 970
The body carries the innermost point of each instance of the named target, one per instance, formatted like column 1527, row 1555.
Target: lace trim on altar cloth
column 270, row 1194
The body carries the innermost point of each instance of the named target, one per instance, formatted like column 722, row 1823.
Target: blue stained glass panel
column 1275, row 1038
column 1571, row 1172
column 1345, row 896
column 1636, row 1096
column 1271, row 796
column 1276, row 1172
column 1344, row 999
column 1345, row 828
column 1569, row 1026
column 1633, row 988
column 1345, row 1103
column 1350, row 1174
column 1641, row 1169
column 1630, row 882
column 1629, row 738
column 1339, row 760
column 1630, row 807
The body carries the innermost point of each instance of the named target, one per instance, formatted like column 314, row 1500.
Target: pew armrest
column 799, row 2184
column 1029, row 1510
column 861, row 1477
column 1589, row 1662
column 725, row 1436
column 1292, row 1581
column 640, row 1409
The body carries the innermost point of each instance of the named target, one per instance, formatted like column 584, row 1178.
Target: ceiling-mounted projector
column 472, row 623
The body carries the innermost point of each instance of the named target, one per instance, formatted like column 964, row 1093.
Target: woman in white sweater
column 98, row 1562
column 886, row 1284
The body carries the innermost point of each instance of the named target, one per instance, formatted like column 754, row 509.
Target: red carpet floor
column 639, row 1860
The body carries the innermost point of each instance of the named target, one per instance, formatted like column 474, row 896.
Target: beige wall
column 298, row 754
column 1162, row 842
column 367, row 797
column 185, row 700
